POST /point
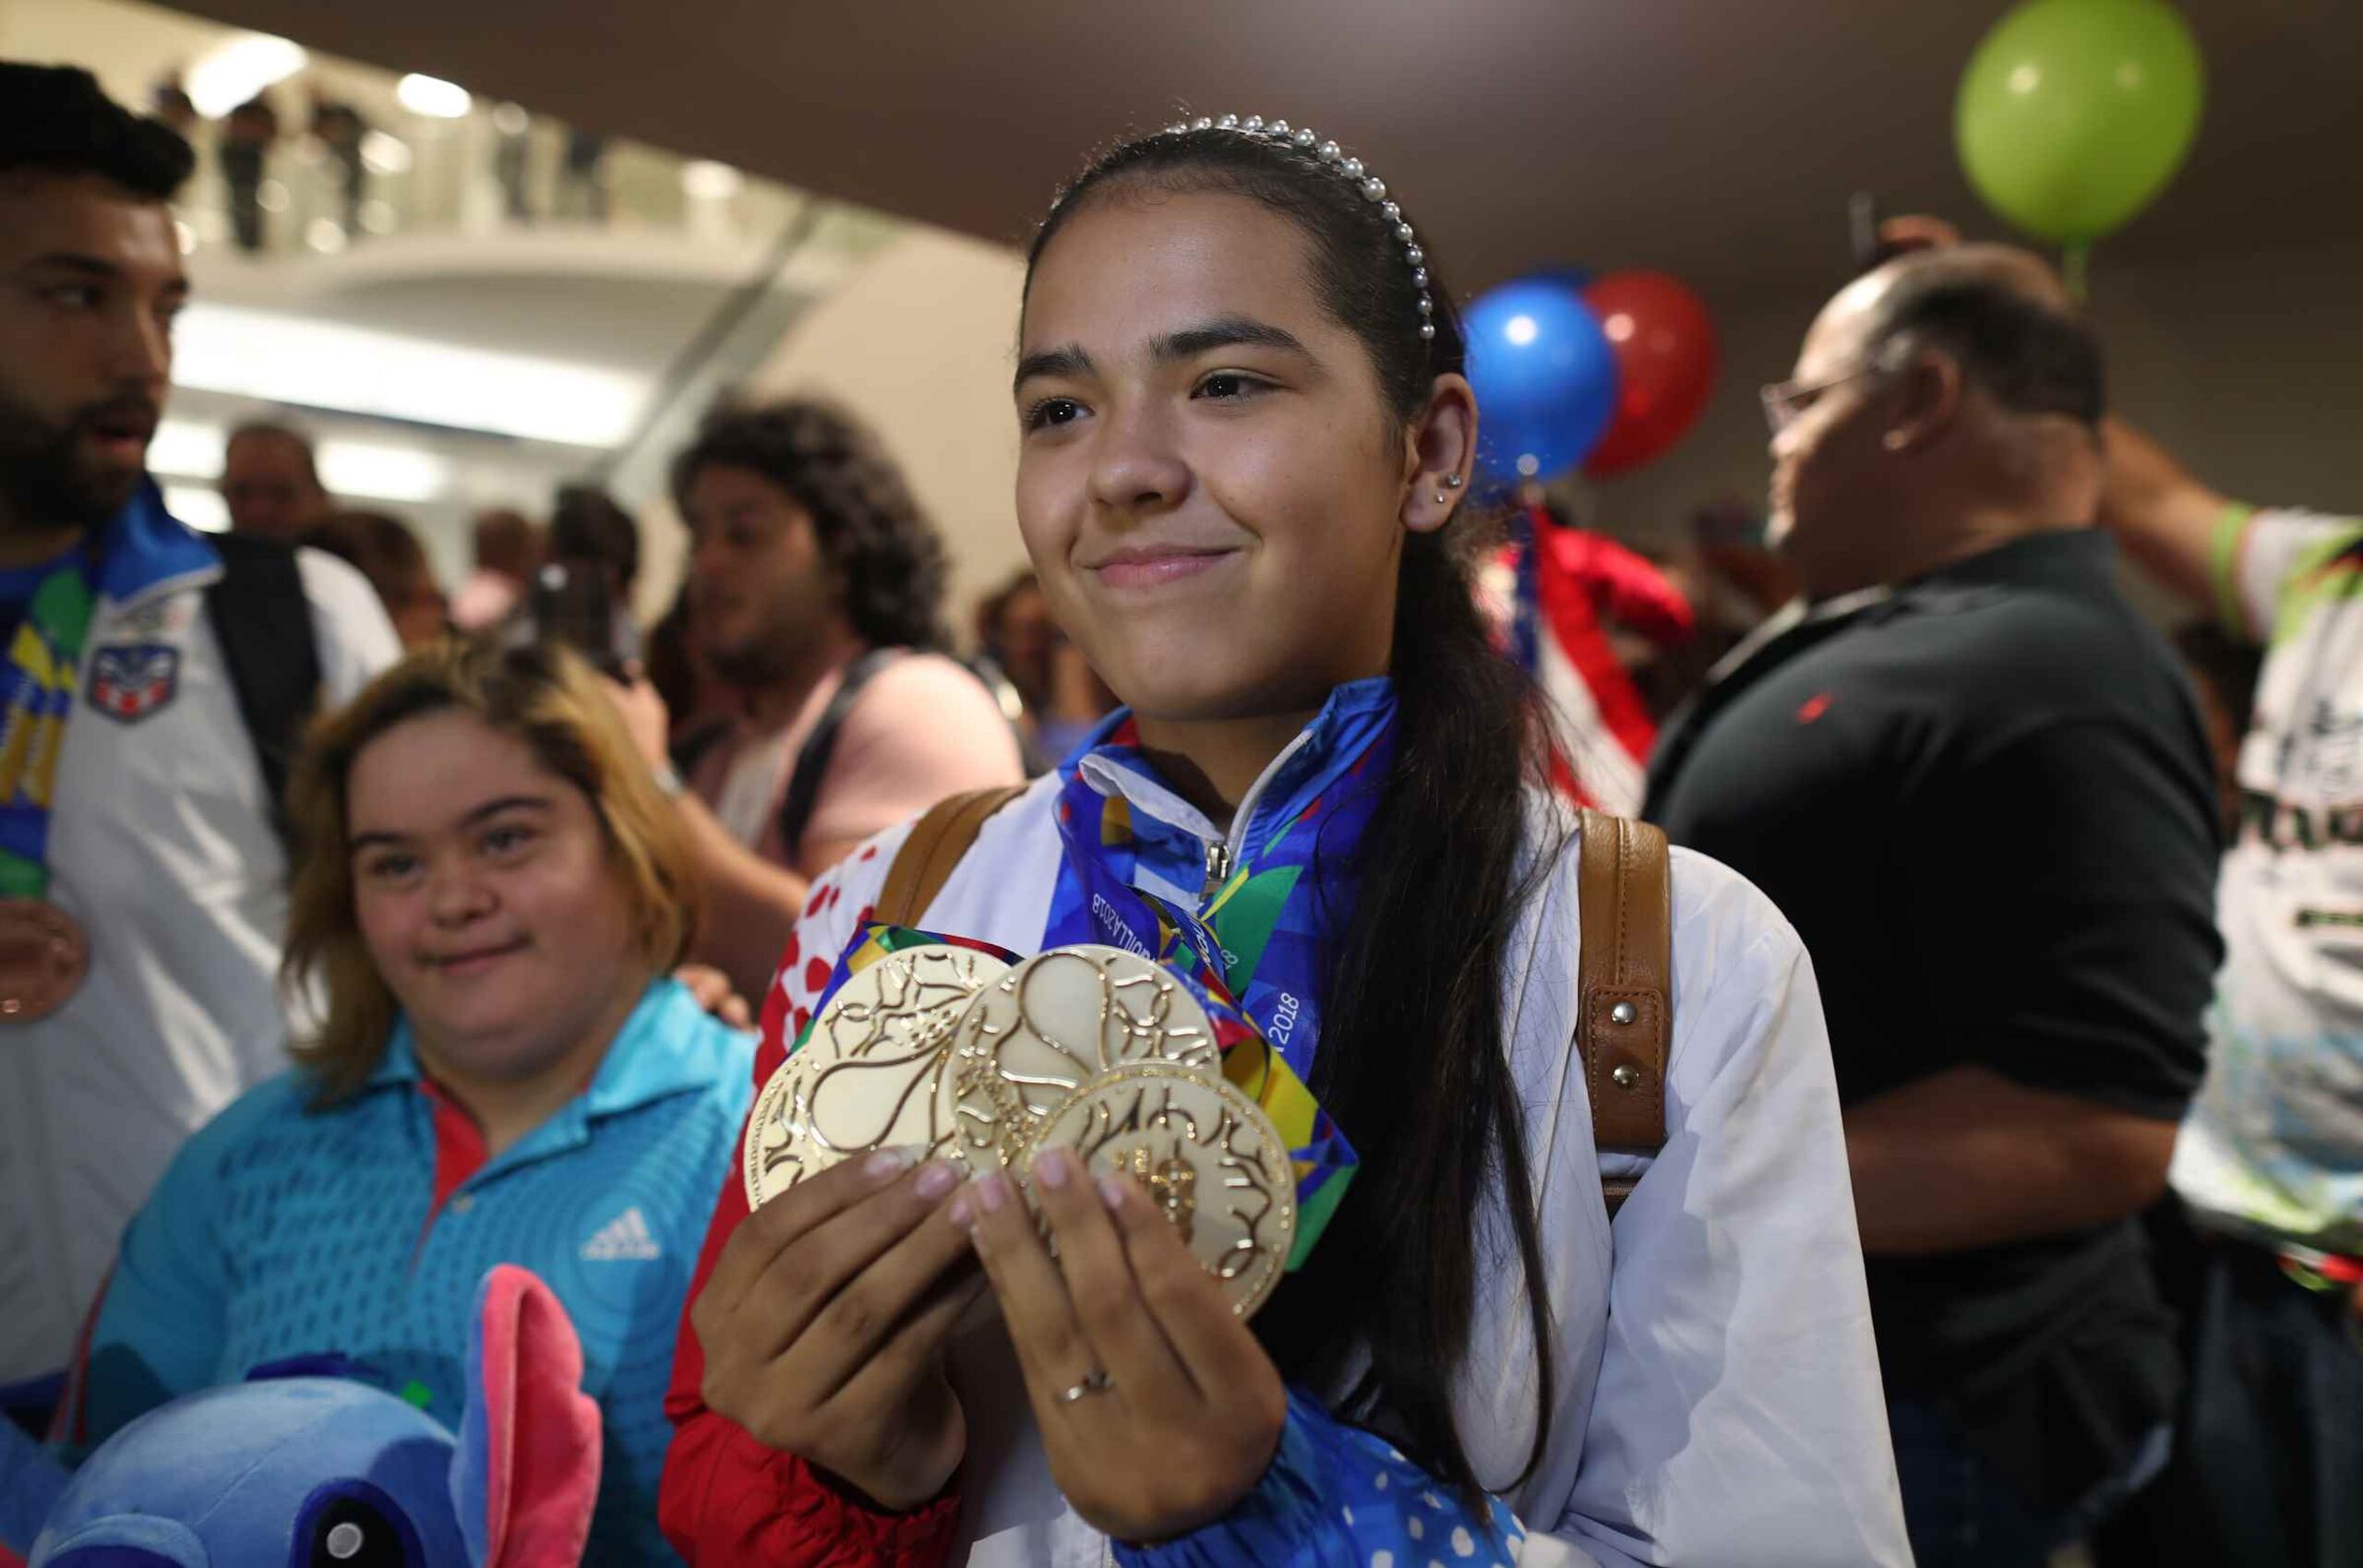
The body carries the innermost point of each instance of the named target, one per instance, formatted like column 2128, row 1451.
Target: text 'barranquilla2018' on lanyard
column 44, row 954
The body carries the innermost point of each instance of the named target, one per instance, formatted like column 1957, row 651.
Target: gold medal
column 1206, row 1155
column 43, row 957
column 1052, row 1025
column 866, row 1076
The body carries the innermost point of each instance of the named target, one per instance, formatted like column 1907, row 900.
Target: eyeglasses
column 1786, row 402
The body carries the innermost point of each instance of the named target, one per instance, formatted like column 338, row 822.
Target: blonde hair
column 550, row 699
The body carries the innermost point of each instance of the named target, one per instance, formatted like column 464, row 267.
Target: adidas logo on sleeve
column 625, row 1236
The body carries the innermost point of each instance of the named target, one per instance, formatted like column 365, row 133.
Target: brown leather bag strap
column 1625, row 985
column 938, row 841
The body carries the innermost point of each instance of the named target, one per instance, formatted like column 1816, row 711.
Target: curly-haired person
column 816, row 589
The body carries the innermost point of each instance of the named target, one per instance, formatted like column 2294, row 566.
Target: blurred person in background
column 493, row 893
column 271, row 482
column 1079, row 700
column 588, row 524
column 512, row 160
column 1975, row 780
column 167, row 675
column 589, row 530
column 244, row 152
column 816, row 586
column 1048, row 688
column 169, row 101
column 340, row 129
column 1732, row 581
column 1750, row 578
column 582, row 177
column 383, row 549
column 2223, row 670
column 1016, row 632
column 986, row 662
column 508, row 552
column 2269, row 1470
column 699, row 701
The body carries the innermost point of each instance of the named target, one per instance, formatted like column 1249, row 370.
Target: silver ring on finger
column 1096, row 1383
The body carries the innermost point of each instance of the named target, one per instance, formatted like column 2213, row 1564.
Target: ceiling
column 1716, row 138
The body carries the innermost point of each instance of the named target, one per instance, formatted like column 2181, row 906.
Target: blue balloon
column 1545, row 378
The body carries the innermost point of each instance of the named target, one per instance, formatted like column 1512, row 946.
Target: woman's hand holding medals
column 1159, row 1408
column 1084, row 1091
column 824, row 1323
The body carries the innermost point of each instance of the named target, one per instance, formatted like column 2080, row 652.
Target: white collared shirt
column 160, row 845
column 1717, row 1401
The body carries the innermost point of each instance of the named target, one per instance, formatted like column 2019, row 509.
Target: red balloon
column 1665, row 360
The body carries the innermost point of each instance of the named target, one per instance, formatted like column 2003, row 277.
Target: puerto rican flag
column 1569, row 584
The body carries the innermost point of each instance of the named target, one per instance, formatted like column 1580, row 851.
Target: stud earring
column 1452, row 482
column 1440, row 497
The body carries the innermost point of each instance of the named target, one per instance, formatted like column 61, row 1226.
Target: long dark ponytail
column 1413, row 1063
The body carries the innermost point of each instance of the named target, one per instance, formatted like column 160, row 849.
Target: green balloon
column 2074, row 113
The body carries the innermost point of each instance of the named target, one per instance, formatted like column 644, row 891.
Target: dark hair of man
column 994, row 605
column 1412, row 1062
column 271, row 430
column 56, row 119
column 2028, row 355
column 870, row 527
column 672, row 669
column 506, row 541
column 588, row 525
column 382, row 548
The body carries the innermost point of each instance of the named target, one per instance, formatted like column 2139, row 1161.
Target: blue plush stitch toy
column 315, row 1472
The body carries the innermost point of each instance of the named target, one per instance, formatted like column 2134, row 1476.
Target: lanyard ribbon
column 1254, row 957
column 37, row 687
column 1256, row 953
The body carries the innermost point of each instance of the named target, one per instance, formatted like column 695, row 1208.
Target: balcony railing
column 321, row 175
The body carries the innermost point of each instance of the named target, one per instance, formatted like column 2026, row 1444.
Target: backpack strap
column 937, row 843
column 262, row 619
column 1625, row 1022
column 812, row 756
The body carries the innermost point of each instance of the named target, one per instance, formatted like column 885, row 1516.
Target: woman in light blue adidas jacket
column 492, row 894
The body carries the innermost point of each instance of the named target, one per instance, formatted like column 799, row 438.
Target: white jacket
column 161, row 844
column 1718, row 1400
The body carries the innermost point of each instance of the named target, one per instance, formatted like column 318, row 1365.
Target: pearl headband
column 1333, row 157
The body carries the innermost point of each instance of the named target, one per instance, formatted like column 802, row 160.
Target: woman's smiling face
column 1209, row 482
column 486, row 892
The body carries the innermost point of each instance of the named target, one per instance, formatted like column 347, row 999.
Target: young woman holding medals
column 1246, row 430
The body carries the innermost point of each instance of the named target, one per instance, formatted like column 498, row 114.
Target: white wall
column 2249, row 368
column 921, row 343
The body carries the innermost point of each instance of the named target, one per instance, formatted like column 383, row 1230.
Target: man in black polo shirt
column 1977, row 783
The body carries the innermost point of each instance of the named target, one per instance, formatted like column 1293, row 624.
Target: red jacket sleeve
column 1625, row 586
column 729, row 1502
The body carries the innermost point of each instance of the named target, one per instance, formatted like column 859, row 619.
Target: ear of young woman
column 824, row 1323
column 1158, row 1410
